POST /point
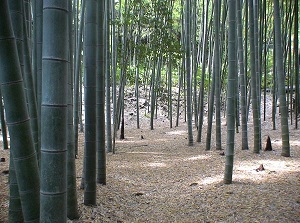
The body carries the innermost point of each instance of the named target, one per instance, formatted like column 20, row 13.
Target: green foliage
column 157, row 25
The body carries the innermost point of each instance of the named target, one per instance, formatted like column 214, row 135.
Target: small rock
column 193, row 184
column 138, row 194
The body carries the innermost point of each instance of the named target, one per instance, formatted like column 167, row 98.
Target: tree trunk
column 217, row 73
column 3, row 124
column 101, row 153
column 72, row 205
column 15, row 213
column 188, row 71
column 296, row 61
column 203, row 69
column 281, row 83
column 30, row 88
column 232, row 75
column 242, row 77
column 90, row 102
column 22, row 146
column 54, row 112
column 77, row 75
column 38, row 78
column 254, row 80
column 114, row 47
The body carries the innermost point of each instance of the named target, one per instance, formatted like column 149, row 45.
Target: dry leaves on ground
column 158, row 178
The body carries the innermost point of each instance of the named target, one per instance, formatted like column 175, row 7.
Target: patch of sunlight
column 127, row 140
column 162, row 141
column 270, row 166
column 212, row 180
column 247, row 171
column 241, row 176
column 155, row 153
column 156, row 165
column 284, row 165
column 200, row 157
column 292, row 142
column 295, row 143
column 249, row 167
column 177, row 132
column 277, row 141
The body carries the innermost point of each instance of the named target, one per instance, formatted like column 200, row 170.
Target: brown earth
column 158, row 178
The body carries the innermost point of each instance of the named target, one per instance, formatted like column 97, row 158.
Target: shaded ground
column 161, row 179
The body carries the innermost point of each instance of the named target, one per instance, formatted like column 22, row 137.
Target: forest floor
column 156, row 177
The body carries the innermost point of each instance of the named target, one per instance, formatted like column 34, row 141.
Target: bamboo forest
column 149, row 111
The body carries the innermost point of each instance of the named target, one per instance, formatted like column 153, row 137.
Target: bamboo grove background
column 55, row 55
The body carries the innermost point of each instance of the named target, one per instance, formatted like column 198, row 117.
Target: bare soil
column 156, row 177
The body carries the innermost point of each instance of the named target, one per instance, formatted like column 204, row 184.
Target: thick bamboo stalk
column 22, row 146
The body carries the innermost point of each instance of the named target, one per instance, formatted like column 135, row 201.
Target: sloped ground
column 158, row 178
column 161, row 179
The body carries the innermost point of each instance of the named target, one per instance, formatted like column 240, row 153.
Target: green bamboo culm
column 281, row 83
column 38, row 29
column 296, row 56
column 242, row 77
column 54, row 112
column 254, row 81
column 15, row 213
column 18, row 17
column 90, row 102
column 101, row 153
column 3, row 124
column 15, row 209
column 78, row 76
column 18, row 122
column 188, row 71
column 217, row 73
column 30, row 87
column 203, row 67
column 27, row 16
column 112, row 71
column 72, row 205
column 232, row 75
